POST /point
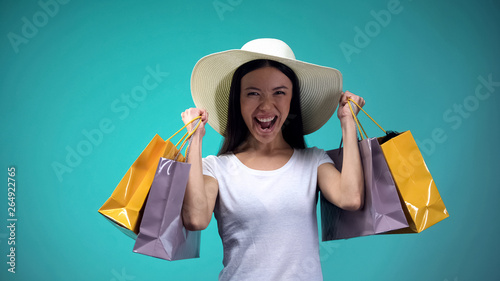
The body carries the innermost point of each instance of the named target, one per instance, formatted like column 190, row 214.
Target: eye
column 252, row 94
column 280, row 93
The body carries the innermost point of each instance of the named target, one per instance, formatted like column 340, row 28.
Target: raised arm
column 201, row 191
column 345, row 189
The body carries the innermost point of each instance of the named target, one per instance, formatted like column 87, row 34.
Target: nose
column 266, row 102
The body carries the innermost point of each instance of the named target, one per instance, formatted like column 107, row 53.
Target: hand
column 192, row 113
column 343, row 110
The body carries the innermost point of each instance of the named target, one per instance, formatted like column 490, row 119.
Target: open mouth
column 266, row 124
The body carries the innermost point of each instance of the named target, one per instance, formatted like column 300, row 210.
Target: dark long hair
column 237, row 131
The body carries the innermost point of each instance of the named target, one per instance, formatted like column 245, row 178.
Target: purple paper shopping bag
column 382, row 210
column 162, row 233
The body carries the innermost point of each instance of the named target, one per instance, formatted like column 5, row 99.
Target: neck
column 255, row 146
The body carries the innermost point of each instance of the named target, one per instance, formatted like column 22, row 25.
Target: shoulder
column 311, row 152
column 314, row 155
column 221, row 167
column 214, row 161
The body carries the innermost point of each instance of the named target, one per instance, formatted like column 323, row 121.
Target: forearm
column 195, row 206
column 351, row 177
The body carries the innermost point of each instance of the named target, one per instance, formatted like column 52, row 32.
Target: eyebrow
column 274, row 89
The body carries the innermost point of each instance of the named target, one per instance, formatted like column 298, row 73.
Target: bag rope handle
column 366, row 115
column 189, row 141
column 186, row 137
column 357, row 123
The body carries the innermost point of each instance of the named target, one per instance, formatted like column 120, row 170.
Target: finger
column 205, row 116
column 357, row 99
column 195, row 112
column 360, row 101
column 341, row 97
column 350, row 96
column 343, row 100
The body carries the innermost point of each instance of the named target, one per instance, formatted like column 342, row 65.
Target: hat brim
column 320, row 87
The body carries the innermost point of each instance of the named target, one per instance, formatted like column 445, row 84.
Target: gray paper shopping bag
column 162, row 233
column 382, row 210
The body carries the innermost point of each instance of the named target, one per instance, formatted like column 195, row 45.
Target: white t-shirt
column 267, row 219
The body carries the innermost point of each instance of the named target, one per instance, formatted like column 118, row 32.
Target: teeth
column 265, row 119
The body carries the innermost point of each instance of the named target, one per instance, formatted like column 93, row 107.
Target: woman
column 262, row 187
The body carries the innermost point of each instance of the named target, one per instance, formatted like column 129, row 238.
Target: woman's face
column 265, row 99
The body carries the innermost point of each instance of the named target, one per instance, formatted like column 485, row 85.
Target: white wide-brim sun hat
column 320, row 87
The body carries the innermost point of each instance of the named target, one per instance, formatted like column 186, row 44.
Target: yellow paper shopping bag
column 422, row 204
column 125, row 205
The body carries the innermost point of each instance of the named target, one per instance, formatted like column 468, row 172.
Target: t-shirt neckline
column 288, row 163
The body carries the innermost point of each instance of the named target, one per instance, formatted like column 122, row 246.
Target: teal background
column 413, row 73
